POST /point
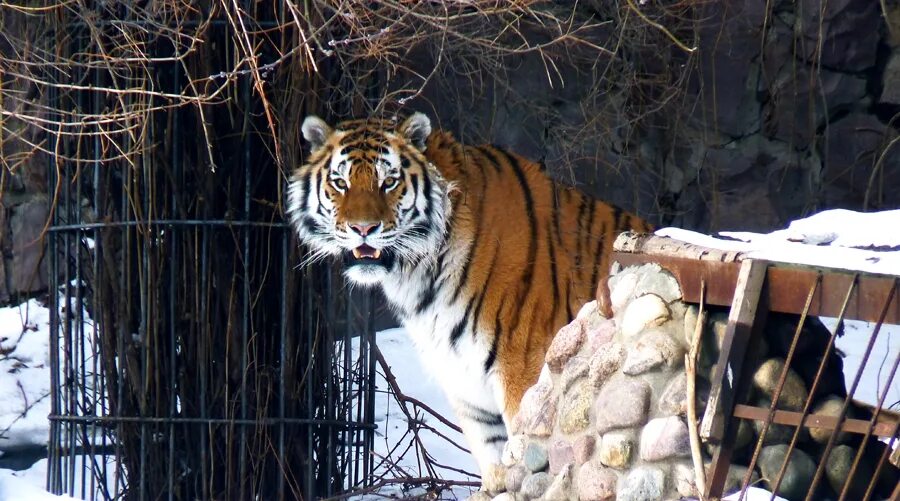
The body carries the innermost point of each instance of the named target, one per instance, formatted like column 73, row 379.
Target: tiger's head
column 368, row 194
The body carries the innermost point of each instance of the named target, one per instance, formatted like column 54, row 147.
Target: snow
column 838, row 239
column 25, row 385
column 393, row 433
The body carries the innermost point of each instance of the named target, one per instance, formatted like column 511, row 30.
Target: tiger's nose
column 364, row 228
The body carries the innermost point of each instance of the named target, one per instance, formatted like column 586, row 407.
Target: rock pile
column 606, row 420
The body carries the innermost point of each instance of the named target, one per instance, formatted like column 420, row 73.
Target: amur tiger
column 481, row 255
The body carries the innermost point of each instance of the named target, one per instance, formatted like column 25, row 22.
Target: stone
column 493, row 479
column 27, row 272
column 561, row 454
column 644, row 483
column 776, row 433
column 596, row 483
column 831, row 406
column 605, row 362
column 560, row 489
column 673, row 400
column 535, row 485
column 616, row 450
column 537, row 411
column 838, row 471
column 636, row 281
column 733, row 479
column 684, row 480
column 575, row 370
column 514, row 477
column 793, row 394
column 513, row 450
column 479, row 496
column 583, row 447
column 535, row 457
column 604, row 332
column 574, row 415
column 664, row 438
column 588, row 311
column 565, row 344
column 505, row 496
column 622, row 403
column 653, row 349
column 646, row 311
column 890, row 80
column 798, row 475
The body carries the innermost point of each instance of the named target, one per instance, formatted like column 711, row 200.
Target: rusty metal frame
column 753, row 288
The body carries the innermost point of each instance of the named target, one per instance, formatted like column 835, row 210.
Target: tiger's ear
column 315, row 131
column 416, row 129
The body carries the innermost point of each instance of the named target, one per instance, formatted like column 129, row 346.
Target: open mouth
column 367, row 255
column 366, row 252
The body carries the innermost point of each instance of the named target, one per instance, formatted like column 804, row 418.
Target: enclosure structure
column 753, row 289
column 196, row 358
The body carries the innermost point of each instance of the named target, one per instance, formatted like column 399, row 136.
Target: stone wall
column 607, row 420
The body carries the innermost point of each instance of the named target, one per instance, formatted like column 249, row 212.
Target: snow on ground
column 414, row 381
column 25, row 366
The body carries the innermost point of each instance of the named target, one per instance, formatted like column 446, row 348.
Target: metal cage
column 194, row 358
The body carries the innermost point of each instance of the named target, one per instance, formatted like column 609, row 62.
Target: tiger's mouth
column 367, row 255
column 366, row 252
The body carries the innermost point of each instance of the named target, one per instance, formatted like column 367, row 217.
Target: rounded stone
column 565, row 344
column 644, row 483
column 574, row 371
column 574, row 415
column 776, row 433
column 493, row 479
column 535, row 457
column 561, row 454
column 513, row 450
column 514, row 477
column 793, row 394
column 798, row 475
column 537, row 412
column 831, row 406
column 596, row 483
column 838, row 470
column 604, row 332
column 505, row 496
column 583, row 448
column 646, row 311
column 654, row 348
column 616, row 450
column 684, row 479
column 561, row 488
column 664, row 438
column 479, row 496
column 622, row 403
column 605, row 362
column 535, row 485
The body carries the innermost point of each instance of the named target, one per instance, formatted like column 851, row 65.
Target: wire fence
column 194, row 361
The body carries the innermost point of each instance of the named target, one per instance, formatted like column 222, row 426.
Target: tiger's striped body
column 498, row 256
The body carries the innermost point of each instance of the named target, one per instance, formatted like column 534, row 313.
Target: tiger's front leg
column 485, row 430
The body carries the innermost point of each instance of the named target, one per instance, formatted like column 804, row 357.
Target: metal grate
column 756, row 290
column 194, row 359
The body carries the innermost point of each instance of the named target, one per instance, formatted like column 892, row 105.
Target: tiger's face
column 368, row 194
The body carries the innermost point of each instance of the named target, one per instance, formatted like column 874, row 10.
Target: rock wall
column 606, row 420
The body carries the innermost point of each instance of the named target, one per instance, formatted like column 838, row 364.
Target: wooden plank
column 883, row 427
column 744, row 320
column 788, row 286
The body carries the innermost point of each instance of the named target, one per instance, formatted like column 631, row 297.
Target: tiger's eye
column 389, row 183
column 340, row 184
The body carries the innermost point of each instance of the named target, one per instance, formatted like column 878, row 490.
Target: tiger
column 480, row 254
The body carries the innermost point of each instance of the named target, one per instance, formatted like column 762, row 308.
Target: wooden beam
column 788, row 286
